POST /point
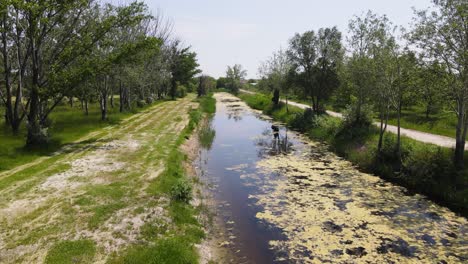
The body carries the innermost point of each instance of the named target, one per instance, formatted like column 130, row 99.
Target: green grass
column 68, row 125
column 443, row 123
column 414, row 117
column 64, row 252
column 207, row 104
column 175, row 250
column 172, row 244
column 426, row 168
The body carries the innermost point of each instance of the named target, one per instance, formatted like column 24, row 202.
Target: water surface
column 293, row 201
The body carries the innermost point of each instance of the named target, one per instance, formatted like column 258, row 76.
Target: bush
column 428, row 168
column 354, row 119
column 182, row 191
column 150, row 99
column 304, row 121
column 141, row 103
column 181, row 91
column 356, row 125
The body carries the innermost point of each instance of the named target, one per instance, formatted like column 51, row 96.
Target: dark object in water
column 358, row 251
column 275, row 131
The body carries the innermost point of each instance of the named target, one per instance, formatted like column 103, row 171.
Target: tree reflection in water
column 269, row 146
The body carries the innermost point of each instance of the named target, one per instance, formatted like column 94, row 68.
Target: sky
column 247, row 32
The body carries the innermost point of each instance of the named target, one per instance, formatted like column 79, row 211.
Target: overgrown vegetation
column 405, row 77
column 425, row 168
column 177, row 247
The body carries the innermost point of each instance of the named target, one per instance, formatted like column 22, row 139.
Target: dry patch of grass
column 89, row 203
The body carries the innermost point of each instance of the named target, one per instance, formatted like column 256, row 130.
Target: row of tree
column 53, row 50
column 381, row 67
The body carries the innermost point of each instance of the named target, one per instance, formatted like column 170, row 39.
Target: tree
column 205, row 85
column 221, row 82
column 275, row 71
column 59, row 45
column 316, row 58
column 441, row 36
column 183, row 66
column 303, row 54
column 366, row 35
column 385, row 52
column 404, row 82
column 330, row 56
column 431, row 78
column 234, row 77
column 14, row 59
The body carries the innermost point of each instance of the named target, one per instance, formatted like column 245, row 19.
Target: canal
column 293, row 201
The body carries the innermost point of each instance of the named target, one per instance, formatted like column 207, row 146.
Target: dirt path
column 93, row 190
column 438, row 140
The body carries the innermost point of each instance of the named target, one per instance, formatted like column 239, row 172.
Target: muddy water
column 292, row 201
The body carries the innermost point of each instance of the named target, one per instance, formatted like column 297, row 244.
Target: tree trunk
column 276, row 96
column 17, row 119
column 35, row 135
column 460, row 135
column 121, row 99
column 86, row 108
column 318, row 105
column 399, row 132
column 104, row 100
column 173, row 89
column 128, row 99
column 379, row 146
column 112, row 99
column 111, row 95
column 7, row 73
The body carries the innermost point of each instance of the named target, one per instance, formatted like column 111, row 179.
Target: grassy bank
column 176, row 245
column 68, row 124
column 425, row 169
column 442, row 123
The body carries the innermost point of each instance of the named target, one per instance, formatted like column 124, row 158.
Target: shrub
column 150, row 99
column 141, row 103
column 182, row 191
column 181, row 91
column 303, row 121
column 354, row 119
column 428, row 168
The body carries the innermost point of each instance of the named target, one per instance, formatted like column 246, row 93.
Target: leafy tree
column 431, row 79
column 303, row 54
column 367, row 34
column 221, row 82
column 183, row 66
column 234, row 77
column 441, row 36
column 275, row 71
column 316, row 58
column 405, row 80
column 206, row 84
column 330, row 56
